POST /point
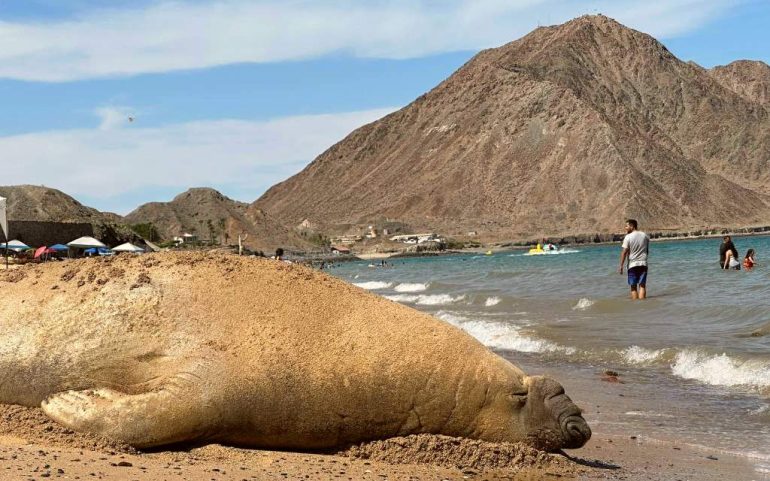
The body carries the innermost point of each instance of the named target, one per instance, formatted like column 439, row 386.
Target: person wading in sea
column 636, row 247
column 726, row 250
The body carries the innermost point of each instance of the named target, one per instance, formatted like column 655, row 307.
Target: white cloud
column 105, row 164
column 112, row 117
column 175, row 35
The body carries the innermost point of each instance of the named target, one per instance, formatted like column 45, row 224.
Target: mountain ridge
column 216, row 218
column 567, row 130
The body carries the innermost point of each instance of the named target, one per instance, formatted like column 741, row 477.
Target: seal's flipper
column 141, row 420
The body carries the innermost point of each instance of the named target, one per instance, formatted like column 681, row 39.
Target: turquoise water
column 701, row 341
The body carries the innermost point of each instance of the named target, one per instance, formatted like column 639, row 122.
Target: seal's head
column 549, row 417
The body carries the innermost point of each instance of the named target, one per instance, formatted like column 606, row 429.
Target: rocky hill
column 216, row 218
column 568, row 130
column 44, row 204
column 748, row 79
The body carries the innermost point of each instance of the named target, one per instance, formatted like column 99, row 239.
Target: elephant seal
column 178, row 347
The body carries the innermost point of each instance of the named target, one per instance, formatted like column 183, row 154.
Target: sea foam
column 721, row 370
column 411, row 287
column 373, row 285
column 640, row 355
column 583, row 304
column 426, row 299
column 500, row 335
column 492, row 301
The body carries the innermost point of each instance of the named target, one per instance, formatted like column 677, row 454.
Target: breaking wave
column 412, row 287
column 492, row 301
column 640, row 355
column 500, row 335
column 583, row 304
column 426, row 299
column 721, row 370
column 373, row 285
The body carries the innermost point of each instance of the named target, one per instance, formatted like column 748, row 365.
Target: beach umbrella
column 128, row 247
column 58, row 248
column 85, row 243
column 18, row 246
column 40, row 251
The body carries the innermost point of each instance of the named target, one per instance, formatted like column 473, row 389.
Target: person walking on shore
column 636, row 247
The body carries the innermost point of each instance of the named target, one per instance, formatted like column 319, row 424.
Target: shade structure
column 127, row 247
column 59, row 248
column 102, row 251
column 85, row 243
column 40, row 251
column 16, row 245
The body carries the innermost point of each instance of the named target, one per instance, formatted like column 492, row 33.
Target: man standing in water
column 636, row 246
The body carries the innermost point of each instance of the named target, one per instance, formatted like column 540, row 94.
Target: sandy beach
column 33, row 447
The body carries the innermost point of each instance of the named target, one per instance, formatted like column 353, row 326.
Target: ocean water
column 695, row 356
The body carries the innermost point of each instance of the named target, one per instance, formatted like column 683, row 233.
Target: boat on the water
column 541, row 250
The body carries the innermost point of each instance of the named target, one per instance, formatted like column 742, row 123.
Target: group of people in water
column 729, row 258
column 636, row 246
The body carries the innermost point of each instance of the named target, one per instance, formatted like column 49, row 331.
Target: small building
column 345, row 239
column 416, row 238
column 340, row 250
column 186, row 238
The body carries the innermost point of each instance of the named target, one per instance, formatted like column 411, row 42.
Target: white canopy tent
column 16, row 245
column 85, row 243
column 128, row 247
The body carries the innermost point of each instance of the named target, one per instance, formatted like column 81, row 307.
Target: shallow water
column 701, row 340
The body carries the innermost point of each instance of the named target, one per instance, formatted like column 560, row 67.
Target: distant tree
column 147, row 231
column 223, row 230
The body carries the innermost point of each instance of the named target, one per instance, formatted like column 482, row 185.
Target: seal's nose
column 574, row 429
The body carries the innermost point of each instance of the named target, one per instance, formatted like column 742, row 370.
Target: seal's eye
column 520, row 395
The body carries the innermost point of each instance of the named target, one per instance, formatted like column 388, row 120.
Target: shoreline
column 615, row 408
column 497, row 247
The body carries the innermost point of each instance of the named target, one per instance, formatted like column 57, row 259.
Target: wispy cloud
column 106, row 164
column 178, row 35
column 112, row 117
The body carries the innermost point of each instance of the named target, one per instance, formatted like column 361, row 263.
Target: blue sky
column 239, row 95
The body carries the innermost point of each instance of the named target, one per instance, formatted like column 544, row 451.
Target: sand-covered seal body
column 169, row 348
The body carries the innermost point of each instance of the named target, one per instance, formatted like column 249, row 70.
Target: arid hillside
column 216, row 218
column 567, row 130
column 44, row 204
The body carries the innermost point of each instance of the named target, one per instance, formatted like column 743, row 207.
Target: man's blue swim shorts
column 637, row 276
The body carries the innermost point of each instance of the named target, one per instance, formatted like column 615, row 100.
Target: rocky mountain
column 44, row 204
column 567, row 130
column 748, row 79
column 214, row 217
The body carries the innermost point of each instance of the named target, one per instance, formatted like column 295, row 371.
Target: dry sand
column 34, row 448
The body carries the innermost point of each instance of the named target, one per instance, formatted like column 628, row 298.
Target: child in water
column 748, row 261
